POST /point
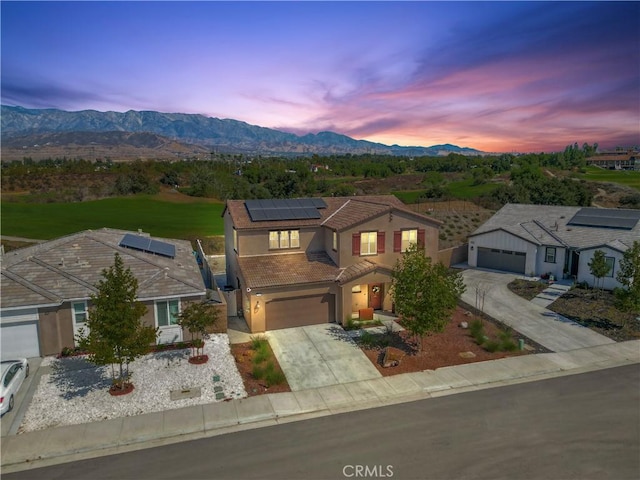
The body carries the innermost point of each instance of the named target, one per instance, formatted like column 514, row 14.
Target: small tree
column 196, row 318
column 425, row 294
column 598, row 267
column 115, row 333
column 628, row 298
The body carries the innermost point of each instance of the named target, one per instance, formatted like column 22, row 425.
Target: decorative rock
column 467, row 354
column 467, row 313
column 392, row 357
column 464, row 325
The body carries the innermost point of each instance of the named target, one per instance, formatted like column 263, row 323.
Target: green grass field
column 623, row 177
column 463, row 189
column 186, row 219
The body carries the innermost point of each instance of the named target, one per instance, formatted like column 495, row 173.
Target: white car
column 13, row 373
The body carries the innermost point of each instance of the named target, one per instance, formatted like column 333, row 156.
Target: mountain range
column 24, row 129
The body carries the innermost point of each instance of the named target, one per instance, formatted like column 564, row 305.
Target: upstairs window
column 409, row 237
column 368, row 243
column 282, row 239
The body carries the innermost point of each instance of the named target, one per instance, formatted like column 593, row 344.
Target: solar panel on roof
column 610, row 218
column 147, row 245
column 284, row 209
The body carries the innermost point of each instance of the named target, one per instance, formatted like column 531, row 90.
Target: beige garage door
column 299, row 311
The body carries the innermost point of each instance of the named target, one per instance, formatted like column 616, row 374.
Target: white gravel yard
column 76, row 391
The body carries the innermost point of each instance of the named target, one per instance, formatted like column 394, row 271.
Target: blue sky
column 503, row 76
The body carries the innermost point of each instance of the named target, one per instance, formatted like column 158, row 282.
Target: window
column 409, row 237
column 235, row 239
column 550, row 255
column 167, row 312
column 368, row 243
column 280, row 239
column 611, row 261
column 80, row 313
column 335, row 240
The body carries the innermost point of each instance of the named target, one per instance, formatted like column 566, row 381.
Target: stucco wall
column 584, row 272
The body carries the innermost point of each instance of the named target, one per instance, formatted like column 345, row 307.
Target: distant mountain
column 211, row 133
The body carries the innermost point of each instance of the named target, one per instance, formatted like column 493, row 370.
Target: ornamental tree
column 115, row 335
column 425, row 294
column 628, row 297
column 196, row 318
column 599, row 267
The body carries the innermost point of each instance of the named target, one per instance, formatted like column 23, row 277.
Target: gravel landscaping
column 76, row 391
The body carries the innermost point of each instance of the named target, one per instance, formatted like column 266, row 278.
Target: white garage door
column 19, row 335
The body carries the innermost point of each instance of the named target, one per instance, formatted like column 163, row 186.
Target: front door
column 375, row 295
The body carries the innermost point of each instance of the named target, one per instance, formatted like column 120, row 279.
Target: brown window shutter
column 397, row 241
column 421, row 238
column 355, row 244
column 380, row 242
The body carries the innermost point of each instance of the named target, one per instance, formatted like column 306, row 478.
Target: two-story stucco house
column 308, row 261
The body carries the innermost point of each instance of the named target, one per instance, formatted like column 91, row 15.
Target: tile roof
column 547, row 225
column 359, row 269
column 287, row 269
column 68, row 268
column 341, row 213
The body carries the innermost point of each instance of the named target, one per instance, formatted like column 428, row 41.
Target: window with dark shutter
column 397, row 241
column 355, row 244
column 421, row 238
column 380, row 242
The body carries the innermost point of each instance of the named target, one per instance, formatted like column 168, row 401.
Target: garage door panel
column 507, row 260
column 299, row 311
column 20, row 340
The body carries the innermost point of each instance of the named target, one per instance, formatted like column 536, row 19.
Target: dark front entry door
column 375, row 296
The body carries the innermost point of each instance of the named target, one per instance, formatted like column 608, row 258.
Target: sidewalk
column 65, row 444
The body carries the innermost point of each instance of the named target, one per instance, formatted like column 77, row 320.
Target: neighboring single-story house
column 306, row 261
column 46, row 288
column 560, row 241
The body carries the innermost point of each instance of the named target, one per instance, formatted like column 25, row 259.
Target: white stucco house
column 560, row 241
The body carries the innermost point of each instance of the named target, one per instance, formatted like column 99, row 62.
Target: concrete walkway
column 318, row 356
column 541, row 325
column 65, row 444
column 551, row 294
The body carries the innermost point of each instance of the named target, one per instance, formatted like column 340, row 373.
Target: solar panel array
column 284, row 209
column 147, row 245
column 609, row 218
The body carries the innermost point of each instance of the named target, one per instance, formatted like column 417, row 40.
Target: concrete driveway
column 540, row 324
column 318, row 356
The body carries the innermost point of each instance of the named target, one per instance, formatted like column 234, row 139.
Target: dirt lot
column 586, row 307
column 598, row 312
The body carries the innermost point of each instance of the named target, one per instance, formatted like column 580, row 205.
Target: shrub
column 261, row 354
column 257, row 371
column 350, row 324
column 476, row 327
column 367, row 339
column 491, row 346
column 508, row 345
column 272, row 376
column 259, row 342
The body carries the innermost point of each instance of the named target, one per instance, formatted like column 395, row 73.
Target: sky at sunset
column 504, row 76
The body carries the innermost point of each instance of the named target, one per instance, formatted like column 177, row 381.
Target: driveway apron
column 318, row 356
column 540, row 324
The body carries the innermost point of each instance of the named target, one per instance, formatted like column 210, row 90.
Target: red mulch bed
column 440, row 349
column 243, row 354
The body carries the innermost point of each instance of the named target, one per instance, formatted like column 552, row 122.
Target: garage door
column 502, row 259
column 20, row 340
column 299, row 311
